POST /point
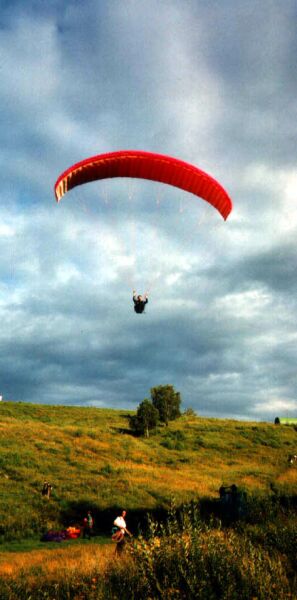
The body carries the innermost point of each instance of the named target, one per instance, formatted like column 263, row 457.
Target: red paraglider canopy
column 146, row 165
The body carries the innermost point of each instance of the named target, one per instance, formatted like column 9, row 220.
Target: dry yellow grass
column 90, row 457
column 289, row 476
column 81, row 558
column 251, row 482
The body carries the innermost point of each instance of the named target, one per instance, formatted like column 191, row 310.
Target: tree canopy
column 163, row 407
column 146, row 418
column 167, row 401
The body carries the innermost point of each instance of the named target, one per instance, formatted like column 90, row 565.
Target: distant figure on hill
column 118, row 532
column 292, row 458
column 47, row 489
column 139, row 302
column 228, row 494
column 88, row 526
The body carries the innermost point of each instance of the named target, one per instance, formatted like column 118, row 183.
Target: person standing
column 88, row 526
column 46, row 490
column 119, row 535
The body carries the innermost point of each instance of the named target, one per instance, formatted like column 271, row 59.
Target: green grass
column 91, row 458
column 182, row 558
column 34, row 543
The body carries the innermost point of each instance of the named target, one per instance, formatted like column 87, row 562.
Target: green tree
column 146, row 418
column 167, row 401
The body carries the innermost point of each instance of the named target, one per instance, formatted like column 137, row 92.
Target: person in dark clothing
column 139, row 302
column 44, row 490
column 88, row 526
column 47, row 489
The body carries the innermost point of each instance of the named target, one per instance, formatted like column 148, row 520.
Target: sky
column 212, row 83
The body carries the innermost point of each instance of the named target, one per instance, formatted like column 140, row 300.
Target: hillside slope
column 90, row 457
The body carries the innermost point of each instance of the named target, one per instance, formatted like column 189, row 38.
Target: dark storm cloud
column 275, row 268
column 211, row 84
column 250, row 47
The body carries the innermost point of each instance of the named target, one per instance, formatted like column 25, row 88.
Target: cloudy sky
column 212, row 83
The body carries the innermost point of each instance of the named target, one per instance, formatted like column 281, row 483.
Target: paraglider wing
column 146, row 165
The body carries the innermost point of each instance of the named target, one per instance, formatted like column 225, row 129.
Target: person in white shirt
column 119, row 535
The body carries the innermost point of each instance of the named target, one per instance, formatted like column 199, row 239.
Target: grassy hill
column 91, row 458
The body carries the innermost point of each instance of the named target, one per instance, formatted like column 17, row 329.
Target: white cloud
column 244, row 305
column 6, row 230
column 30, row 65
column 169, row 77
column 275, row 405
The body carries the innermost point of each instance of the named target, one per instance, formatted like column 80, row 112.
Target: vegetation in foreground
column 183, row 558
column 93, row 461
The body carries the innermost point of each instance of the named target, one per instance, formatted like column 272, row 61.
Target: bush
column 185, row 559
column 181, row 559
column 174, row 440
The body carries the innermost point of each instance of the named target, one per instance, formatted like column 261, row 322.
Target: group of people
column 119, row 530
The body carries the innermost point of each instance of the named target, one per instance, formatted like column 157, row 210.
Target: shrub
column 108, row 470
column 187, row 560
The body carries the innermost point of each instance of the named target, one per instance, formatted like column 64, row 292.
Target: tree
column 146, row 418
column 167, row 401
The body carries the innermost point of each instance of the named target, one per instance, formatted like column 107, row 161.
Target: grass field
column 181, row 560
column 91, row 458
column 93, row 462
